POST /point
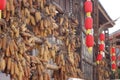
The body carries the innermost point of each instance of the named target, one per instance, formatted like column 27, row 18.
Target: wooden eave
column 115, row 37
column 115, row 34
column 104, row 17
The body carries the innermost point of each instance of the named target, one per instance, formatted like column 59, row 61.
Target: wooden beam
column 96, row 27
column 105, row 15
column 59, row 9
column 52, row 67
column 104, row 26
column 117, row 46
column 90, row 63
column 48, row 66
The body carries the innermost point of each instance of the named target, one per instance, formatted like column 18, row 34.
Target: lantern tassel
column 88, row 14
column 90, row 49
column 102, row 42
column 88, row 31
column 113, row 70
column 97, row 62
column 0, row 14
column 113, row 62
column 113, row 54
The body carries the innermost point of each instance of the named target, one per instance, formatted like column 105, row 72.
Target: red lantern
column 2, row 4
column 102, row 37
column 113, row 49
column 113, row 58
column 88, row 23
column 88, row 6
column 99, row 57
column 101, row 47
column 89, row 40
column 114, row 66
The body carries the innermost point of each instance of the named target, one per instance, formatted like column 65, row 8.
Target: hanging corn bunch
column 32, row 26
column 113, row 59
column 2, row 6
column 101, row 47
column 89, row 25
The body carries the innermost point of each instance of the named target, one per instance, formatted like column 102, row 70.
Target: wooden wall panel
column 57, row 1
column 78, row 12
column 62, row 4
column 67, row 5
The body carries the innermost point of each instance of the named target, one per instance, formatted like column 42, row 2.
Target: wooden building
column 115, row 41
column 101, row 21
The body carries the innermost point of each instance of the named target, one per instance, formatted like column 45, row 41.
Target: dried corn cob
column 0, row 43
column 2, row 64
column 12, row 72
column 11, row 47
column 38, row 16
column 4, row 42
column 32, row 19
column 17, row 72
column 8, row 6
column 4, row 13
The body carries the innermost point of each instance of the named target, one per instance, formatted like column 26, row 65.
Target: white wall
column 4, row 76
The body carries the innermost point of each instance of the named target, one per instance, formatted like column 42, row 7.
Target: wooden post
column 81, row 33
column 95, row 27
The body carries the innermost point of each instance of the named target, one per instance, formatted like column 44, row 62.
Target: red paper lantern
column 113, row 58
column 2, row 4
column 102, row 37
column 88, row 6
column 99, row 57
column 114, row 66
column 101, row 47
column 89, row 40
column 113, row 49
column 88, row 23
